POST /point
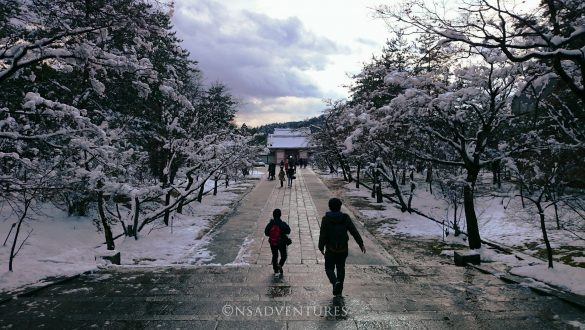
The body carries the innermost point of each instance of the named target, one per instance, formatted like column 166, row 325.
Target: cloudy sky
column 281, row 58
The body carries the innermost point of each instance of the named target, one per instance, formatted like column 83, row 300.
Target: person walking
column 281, row 176
column 277, row 231
column 271, row 171
column 333, row 243
column 290, row 173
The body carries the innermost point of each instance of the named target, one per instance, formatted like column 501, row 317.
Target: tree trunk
column 190, row 181
column 379, row 193
column 412, row 186
column 497, row 173
column 549, row 253
column 69, row 204
column 331, row 168
column 375, row 176
column 349, row 176
column 201, row 191
column 344, row 173
column 429, row 177
column 215, row 179
column 357, row 182
column 455, row 222
column 345, row 168
column 105, row 224
column 167, row 212
column 20, row 220
column 136, row 214
column 557, row 216
column 396, row 187
column 469, row 207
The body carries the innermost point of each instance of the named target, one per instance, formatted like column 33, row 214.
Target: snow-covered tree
column 552, row 32
column 547, row 38
column 461, row 119
column 102, row 107
column 328, row 139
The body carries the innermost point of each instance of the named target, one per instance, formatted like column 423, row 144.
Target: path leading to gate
column 237, row 290
column 303, row 205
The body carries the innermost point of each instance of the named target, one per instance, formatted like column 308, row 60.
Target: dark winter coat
column 328, row 227
column 284, row 228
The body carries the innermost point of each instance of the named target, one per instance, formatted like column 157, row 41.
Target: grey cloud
column 291, row 34
column 367, row 42
column 279, row 110
column 255, row 55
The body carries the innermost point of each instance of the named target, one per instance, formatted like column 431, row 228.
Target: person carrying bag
column 277, row 232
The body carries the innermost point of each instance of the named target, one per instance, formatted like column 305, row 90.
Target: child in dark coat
column 276, row 230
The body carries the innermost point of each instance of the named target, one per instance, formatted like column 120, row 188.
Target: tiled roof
column 285, row 138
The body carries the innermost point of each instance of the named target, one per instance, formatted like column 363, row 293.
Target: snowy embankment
column 502, row 220
column 61, row 245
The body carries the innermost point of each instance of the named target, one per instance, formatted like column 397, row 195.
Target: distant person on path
column 281, row 176
column 271, row 170
column 290, row 174
column 277, row 231
column 333, row 243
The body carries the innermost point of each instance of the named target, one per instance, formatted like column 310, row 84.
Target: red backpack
column 274, row 235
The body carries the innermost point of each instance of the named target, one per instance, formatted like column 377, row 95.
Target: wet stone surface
column 408, row 288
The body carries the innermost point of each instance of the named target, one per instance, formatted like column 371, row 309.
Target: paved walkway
column 303, row 205
column 238, row 291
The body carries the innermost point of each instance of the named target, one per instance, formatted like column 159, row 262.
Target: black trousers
column 275, row 250
column 335, row 261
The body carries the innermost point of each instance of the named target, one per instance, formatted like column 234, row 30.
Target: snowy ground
column 502, row 220
column 60, row 245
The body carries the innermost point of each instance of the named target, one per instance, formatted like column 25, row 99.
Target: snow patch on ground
column 563, row 276
column 576, row 325
column 61, row 245
column 84, row 290
column 501, row 220
column 243, row 254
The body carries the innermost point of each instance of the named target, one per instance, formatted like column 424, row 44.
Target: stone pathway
column 303, row 205
column 237, row 290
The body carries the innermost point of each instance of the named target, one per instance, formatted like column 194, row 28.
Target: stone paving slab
column 375, row 302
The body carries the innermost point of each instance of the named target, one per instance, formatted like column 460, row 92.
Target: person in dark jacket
column 333, row 243
column 277, row 244
column 271, row 171
column 281, row 177
column 290, row 174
